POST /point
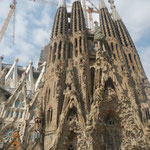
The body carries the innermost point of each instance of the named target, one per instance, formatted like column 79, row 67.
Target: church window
column 72, row 114
column 12, row 113
column 80, row 45
column 114, row 56
column 32, row 114
column 64, row 49
column 109, row 83
column 126, row 59
column 147, row 114
column 51, row 114
column 92, row 79
column 61, row 28
column 123, row 34
column 57, row 23
column 50, row 53
column 21, row 115
column 54, row 52
column 76, row 53
column 76, row 42
column 133, row 67
column 17, row 103
column 59, row 51
column 8, row 112
column 130, row 58
column 108, row 30
column 7, row 96
column 112, row 46
column 8, row 134
column 112, row 136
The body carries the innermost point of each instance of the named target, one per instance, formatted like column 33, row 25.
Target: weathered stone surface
column 91, row 97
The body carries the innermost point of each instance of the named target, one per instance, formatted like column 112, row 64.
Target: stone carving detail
column 94, row 94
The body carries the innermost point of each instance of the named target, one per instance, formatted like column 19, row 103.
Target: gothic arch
column 112, row 132
column 72, row 114
column 109, row 83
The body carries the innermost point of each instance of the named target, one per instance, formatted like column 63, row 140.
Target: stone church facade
column 94, row 94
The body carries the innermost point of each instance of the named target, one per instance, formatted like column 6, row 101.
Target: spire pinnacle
column 115, row 13
column 62, row 3
column 102, row 4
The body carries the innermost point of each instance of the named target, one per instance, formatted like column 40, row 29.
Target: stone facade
column 94, row 94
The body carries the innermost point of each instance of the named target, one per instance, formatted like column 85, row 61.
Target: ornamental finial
column 115, row 13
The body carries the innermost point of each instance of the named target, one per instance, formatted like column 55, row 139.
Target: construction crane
column 10, row 14
column 91, row 10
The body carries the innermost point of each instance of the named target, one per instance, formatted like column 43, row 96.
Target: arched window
column 72, row 114
column 70, row 47
column 130, row 57
column 54, row 52
column 17, row 103
column 12, row 113
column 112, row 134
column 59, row 50
column 7, row 115
column 92, row 79
column 109, row 83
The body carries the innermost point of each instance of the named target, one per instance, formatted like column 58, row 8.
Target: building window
column 76, row 42
column 112, row 46
column 21, row 115
column 12, row 113
column 17, row 103
column 130, row 58
column 92, row 79
column 8, row 112
column 59, row 51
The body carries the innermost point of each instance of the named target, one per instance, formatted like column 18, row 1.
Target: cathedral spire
column 106, row 22
column 102, row 4
column 115, row 13
column 77, row 17
column 62, row 3
column 124, row 36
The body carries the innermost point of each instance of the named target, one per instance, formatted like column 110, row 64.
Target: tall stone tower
column 95, row 95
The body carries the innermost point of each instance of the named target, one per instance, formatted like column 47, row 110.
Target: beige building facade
column 94, row 94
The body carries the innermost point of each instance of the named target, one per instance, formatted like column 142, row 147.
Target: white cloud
column 40, row 36
column 32, row 31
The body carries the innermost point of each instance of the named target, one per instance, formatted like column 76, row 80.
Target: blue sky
column 34, row 22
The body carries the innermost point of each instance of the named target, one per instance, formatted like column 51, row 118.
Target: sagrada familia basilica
column 90, row 91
